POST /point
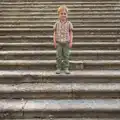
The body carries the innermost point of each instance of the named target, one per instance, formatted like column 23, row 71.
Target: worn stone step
column 54, row 2
column 59, row 90
column 68, row 3
column 40, row 25
column 60, row 108
column 49, row 45
column 51, row 55
column 49, row 31
column 49, row 76
column 89, row 17
column 51, row 65
column 39, row 38
column 9, row 13
column 95, row 21
column 70, row 119
column 55, row 9
column 57, row 3
column 82, row 38
column 89, row 6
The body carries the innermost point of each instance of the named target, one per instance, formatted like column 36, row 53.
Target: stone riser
column 60, row 108
column 72, row 114
column 54, row 10
column 60, row 95
column 10, row 13
column 54, row 91
column 36, row 15
column 45, row 115
column 51, row 65
column 63, row 1
column 82, row 38
column 39, row 31
column 85, row 17
column 53, row 21
column 57, row 3
column 83, row 118
column 41, row 26
column 84, row 76
column 52, row 56
column 72, row 8
column 50, row 46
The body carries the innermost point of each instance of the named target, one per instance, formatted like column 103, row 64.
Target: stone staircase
column 29, row 87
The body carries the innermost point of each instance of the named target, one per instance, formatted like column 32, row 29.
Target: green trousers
column 62, row 55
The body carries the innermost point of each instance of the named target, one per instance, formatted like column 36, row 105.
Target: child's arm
column 71, row 38
column 70, row 34
column 54, row 38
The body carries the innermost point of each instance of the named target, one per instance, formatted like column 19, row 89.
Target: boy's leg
column 58, row 57
column 66, row 53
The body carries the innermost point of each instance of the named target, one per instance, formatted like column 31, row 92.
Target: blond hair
column 62, row 7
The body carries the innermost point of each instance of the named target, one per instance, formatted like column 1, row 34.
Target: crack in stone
column 23, row 107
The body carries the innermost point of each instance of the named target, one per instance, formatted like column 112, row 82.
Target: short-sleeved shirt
column 62, row 31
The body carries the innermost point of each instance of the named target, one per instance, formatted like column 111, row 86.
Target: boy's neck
column 63, row 21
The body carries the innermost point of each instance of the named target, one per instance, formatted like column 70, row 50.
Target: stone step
column 51, row 26
column 53, row 5
column 49, row 45
column 95, row 21
column 36, row 2
column 38, row 38
column 51, row 64
column 49, row 31
column 87, row 25
column 55, row 17
column 36, row 108
column 9, row 13
column 55, row 9
column 70, row 119
column 48, row 76
column 43, row 6
column 59, row 90
column 51, row 55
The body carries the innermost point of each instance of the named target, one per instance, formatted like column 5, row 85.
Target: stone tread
column 53, row 62
column 69, row 5
column 54, row 9
column 60, row 87
column 50, row 36
column 51, row 26
column 53, row 21
column 70, row 17
column 60, row 105
column 52, row 13
column 69, row 119
column 51, row 44
column 70, row 2
column 76, row 73
column 51, row 52
column 9, row 13
column 51, row 29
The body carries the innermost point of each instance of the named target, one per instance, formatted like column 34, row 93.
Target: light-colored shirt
column 62, row 31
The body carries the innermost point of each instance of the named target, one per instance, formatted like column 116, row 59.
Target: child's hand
column 70, row 45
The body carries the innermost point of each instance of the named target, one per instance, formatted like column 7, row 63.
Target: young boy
column 62, row 38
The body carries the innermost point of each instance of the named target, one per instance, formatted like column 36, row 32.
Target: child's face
column 63, row 15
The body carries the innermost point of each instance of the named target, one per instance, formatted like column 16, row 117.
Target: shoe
column 67, row 71
column 58, row 71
